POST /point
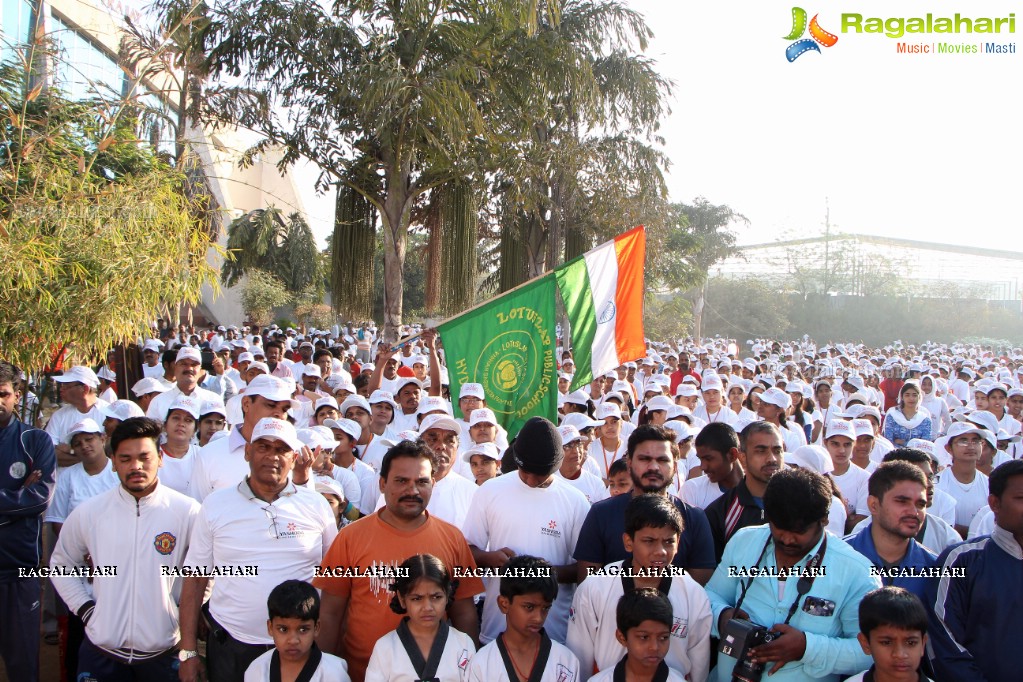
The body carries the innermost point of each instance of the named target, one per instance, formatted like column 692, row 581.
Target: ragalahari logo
column 802, row 45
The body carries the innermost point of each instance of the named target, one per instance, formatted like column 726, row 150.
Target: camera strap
column 629, row 582
column 426, row 669
column 805, row 580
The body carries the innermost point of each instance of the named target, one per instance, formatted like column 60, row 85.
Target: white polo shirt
column 219, row 464
column 161, row 403
column 285, row 539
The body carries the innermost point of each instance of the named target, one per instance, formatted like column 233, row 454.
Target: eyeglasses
column 271, row 514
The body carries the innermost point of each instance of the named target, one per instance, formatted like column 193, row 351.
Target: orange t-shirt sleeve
column 469, row 586
column 336, row 556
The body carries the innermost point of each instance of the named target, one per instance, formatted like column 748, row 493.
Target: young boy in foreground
column 893, row 631
column 644, row 621
column 294, row 608
column 653, row 527
column 528, row 588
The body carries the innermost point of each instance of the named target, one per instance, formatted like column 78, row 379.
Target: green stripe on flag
column 574, row 284
column 507, row 345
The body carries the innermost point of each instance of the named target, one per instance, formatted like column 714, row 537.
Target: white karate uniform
column 488, row 666
column 391, row 663
column 330, row 669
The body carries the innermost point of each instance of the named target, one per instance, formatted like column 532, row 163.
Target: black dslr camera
column 739, row 636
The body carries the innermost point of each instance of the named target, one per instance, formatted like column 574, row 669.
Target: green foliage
column 263, row 240
column 97, row 231
column 353, row 246
column 261, row 293
column 316, row 315
column 666, row 318
column 698, row 236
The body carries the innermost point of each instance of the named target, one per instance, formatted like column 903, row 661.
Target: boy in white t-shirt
column 962, row 480
column 294, row 609
column 893, row 631
column 644, row 626
column 839, row 437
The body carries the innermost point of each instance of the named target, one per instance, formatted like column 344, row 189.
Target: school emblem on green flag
column 507, row 345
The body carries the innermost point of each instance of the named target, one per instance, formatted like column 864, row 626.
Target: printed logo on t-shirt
column 565, row 674
column 292, row 530
column 164, row 543
column 680, row 628
column 463, row 660
column 551, row 529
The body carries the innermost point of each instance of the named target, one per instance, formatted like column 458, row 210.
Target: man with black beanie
column 528, row 511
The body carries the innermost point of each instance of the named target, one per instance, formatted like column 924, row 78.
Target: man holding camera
column 785, row 596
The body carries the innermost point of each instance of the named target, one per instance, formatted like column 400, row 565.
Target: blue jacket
column 23, row 449
column 974, row 618
column 917, row 557
column 832, row 651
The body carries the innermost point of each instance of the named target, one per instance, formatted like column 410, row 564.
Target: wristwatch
column 186, row 654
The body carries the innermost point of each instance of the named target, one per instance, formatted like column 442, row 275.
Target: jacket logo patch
column 164, row 543
column 18, row 470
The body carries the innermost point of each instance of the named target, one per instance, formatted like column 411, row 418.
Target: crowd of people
column 282, row 504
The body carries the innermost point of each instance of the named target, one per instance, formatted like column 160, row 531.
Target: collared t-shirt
column 285, row 539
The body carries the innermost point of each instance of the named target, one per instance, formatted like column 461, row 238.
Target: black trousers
column 20, row 621
column 227, row 659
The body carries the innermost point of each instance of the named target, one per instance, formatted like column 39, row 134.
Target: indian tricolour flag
column 603, row 295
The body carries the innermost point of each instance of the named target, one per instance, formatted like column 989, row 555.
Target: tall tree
column 585, row 153
column 388, row 98
column 700, row 236
column 264, row 240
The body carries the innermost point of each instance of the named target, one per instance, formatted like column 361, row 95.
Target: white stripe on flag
column 602, row 267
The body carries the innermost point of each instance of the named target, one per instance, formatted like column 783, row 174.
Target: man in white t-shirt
column 773, row 404
column 187, row 366
column 572, row 471
column 264, row 522
column 839, row 436
column 529, row 511
column 94, row 473
column 452, row 493
column 78, row 387
column 965, row 443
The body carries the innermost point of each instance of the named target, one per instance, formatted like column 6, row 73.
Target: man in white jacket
column 131, row 541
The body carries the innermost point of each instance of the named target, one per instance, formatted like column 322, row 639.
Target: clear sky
column 917, row 146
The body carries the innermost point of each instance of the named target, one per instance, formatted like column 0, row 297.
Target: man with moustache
column 187, row 365
column 651, row 461
column 354, row 575
column 817, row 619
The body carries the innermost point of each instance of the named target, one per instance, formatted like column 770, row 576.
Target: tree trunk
column 396, row 219
column 536, row 251
column 698, row 303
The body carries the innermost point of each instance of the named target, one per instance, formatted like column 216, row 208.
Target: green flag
column 507, row 345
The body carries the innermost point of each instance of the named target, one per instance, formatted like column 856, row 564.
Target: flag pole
column 413, row 337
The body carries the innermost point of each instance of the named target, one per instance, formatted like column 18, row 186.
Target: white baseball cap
column 433, row 403
column 80, row 374
column 711, row 381
column 349, row 426
column 317, row 436
column 777, row 397
column 577, row 398
column 343, row 385
column 569, row 434
column 121, row 410
column 312, row 370
column 106, row 373
column 963, row 428
column 272, row 388
column 863, row 427
column 840, row 427
column 187, row 404
column 605, row 410
column 812, row 457
column 485, row 449
column 686, row 390
column 380, row 396
column 213, row 407
column 355, row 401
column 439, row 421
column 472, row 390
column 85, row 426
column 483, row 415
column 681, row 430
column 276, row 429
column 659, row 402
column 580, row 420
column 327, row 401
column 188, row 353
column 152, row 344
column 149, row 385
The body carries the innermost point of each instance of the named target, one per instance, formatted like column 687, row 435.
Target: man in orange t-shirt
column 356, row 593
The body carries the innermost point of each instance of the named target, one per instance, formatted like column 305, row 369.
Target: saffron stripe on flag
column 630, row 252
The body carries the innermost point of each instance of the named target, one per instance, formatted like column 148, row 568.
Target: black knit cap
column 537, row 447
